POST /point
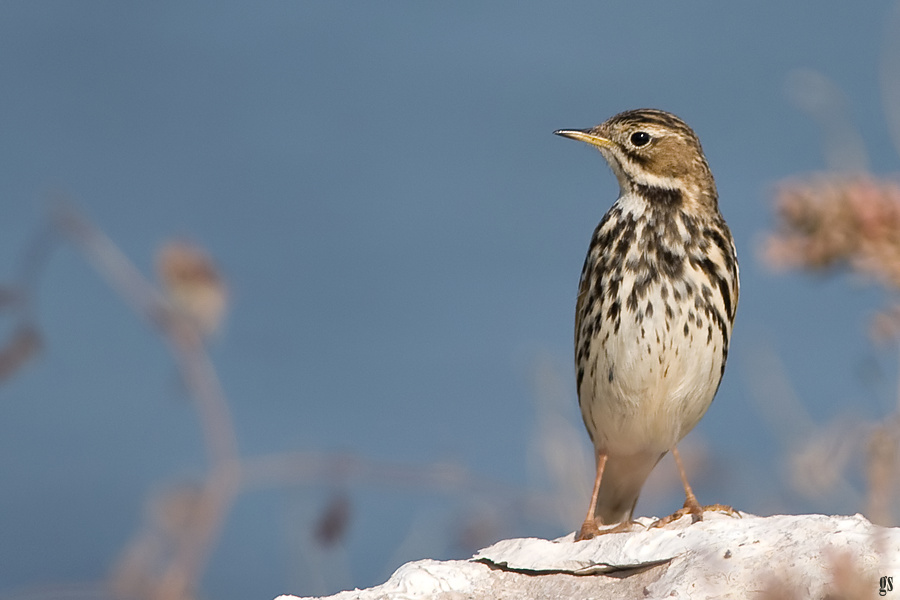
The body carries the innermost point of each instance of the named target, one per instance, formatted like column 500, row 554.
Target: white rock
column 721, row 556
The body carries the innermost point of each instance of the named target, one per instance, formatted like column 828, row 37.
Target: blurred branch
column 22, row 346
column 845, row 220
column 17, row 301
column 167, row 556
column 845, row 223
column 203, row 512
column 824, row 101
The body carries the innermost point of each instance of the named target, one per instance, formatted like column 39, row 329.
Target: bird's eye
column 640, row 138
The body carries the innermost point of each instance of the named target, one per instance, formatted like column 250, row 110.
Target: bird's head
column 651, row 148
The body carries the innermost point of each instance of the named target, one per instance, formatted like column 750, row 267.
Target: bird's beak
column 586, row 136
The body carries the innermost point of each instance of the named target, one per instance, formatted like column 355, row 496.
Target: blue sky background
column 402, row 236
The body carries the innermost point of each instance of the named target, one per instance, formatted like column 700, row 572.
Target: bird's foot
column 696, row 511
column 590, row 530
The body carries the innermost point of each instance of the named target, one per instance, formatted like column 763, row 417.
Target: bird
column 656, row 304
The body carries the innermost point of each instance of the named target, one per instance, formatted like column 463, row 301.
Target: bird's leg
column 691, row 505
column 589, row 528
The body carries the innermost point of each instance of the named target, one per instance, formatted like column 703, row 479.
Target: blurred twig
column 825, row 102
column 846, row 220
column 166, row 558
column 201, row 513
column 831, row 222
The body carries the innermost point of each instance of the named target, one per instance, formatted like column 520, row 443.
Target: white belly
column 649, row 384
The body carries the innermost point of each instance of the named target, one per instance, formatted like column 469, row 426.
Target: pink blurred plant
column 852, row 222
column 840, row 221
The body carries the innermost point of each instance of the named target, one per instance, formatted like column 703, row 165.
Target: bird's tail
column 623, row 478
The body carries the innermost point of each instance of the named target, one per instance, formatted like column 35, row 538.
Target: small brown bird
column 656, row 304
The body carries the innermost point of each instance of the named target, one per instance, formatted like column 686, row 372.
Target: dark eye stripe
column 636, row 157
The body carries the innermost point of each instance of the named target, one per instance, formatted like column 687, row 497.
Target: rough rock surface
column 805, row 556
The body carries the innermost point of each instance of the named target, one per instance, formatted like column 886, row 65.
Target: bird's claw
column 590, row 530
column 696, row 511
